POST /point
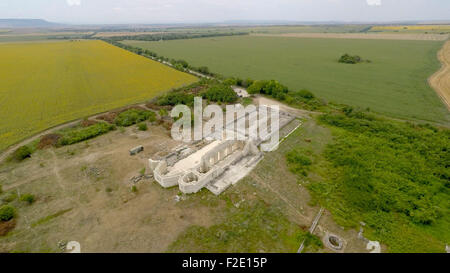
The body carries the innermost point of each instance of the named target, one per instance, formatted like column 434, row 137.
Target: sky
column 202, row 11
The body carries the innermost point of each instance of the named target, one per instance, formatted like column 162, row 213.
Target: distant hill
column 26, row 23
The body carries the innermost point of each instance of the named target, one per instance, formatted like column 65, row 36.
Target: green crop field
column 49, row 83
column 394, row 83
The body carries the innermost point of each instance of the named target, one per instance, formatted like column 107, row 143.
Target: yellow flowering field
column 48, row 83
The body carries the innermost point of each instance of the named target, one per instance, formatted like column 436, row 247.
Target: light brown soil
column 93, row 180
column 440, row 81
column 373, row 36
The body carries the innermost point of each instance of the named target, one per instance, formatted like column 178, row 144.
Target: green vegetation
column 172, row 36
column 7, row 213
column 49, row 218
column 134, row 116
column 393, row 176
column 303, row 98
column 10, row 197
column 312, row 242
column 220, row 93
column 78, row 134
column 395, row 83
column 348, row 59
column 251, row 228
column 142, row 126
column 22, row 153
column 29, row 198
column 175, row 98
column 298, row 162
column 271, row 88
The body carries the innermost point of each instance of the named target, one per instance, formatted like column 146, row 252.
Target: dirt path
column 440, row 81
column 8, row 151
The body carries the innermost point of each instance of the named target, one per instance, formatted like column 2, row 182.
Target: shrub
column 176, row 98
column 163, row 112
column 272, row 88
column 79, row 134
column 22, row 153
column 1, row 189
column 142, row 127
column 220, row 93
column 7, row 213
column 29, row 198
column 203, row 70
column 247, row 101
column 305, row 94
column 347, row 59
column 133, row 116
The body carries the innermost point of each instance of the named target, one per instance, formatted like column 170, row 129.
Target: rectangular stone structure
column 136, row 150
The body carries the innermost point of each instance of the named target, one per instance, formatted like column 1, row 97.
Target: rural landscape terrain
column 364, row 165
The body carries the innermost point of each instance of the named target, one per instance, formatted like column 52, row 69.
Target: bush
column 305, row 94
column 176, row 98
column 203, row 70
column 272, row 88
column 142, row 127
column 347, row 59
column 78, row 134
column 29, row 198
column 133, row 116
column 7, row 213
column 220, row 93
column 22, row 153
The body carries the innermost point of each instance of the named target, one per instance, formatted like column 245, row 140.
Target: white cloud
column 72, row 3
column 374, row 2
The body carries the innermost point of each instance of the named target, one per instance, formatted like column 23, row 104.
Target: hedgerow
column 78, row 134
column 134, row 116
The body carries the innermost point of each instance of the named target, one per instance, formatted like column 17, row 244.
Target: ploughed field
column 393, row 83
column 48, row 83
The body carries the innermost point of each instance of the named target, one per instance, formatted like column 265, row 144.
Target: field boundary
column 437, row 80
column 9, row 150
column 366, row 36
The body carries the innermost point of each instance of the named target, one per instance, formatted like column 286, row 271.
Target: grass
column 394, row 83
column 390, row 175
column 49, row 218
column 252, row 228
column 46, row 84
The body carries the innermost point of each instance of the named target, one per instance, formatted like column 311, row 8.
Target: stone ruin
column 216, row 166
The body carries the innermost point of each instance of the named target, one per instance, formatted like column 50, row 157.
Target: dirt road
column 440, row 81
